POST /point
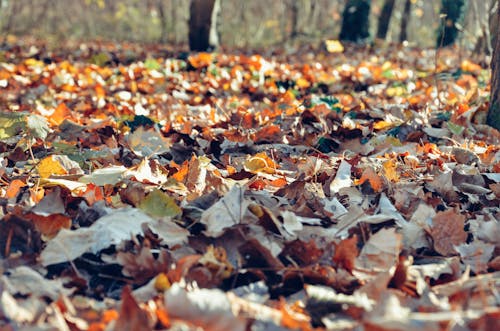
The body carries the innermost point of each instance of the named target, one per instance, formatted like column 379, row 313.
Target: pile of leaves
column 145, row 191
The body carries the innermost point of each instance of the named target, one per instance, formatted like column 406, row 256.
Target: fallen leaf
column 379, row 254
column 159, row 204
column 346, row 253
column 131, row 316
column 58, row 165
column 209, row 309
column 447, row 231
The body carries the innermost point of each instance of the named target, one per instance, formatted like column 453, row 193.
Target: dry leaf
column 447, row 231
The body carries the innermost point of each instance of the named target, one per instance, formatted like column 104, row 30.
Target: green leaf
column 158, row 204
column 100, row 59
column 326, row 145
column 151, row 64
column 455, row 128
column 330, row 101
column 12, row 124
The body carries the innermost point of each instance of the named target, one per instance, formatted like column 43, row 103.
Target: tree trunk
column 405, row 18
column 385, row 19
column 163, row 20
column 355, row 23
column 454, row 14
column 493, row 118
column 294, row 17
column 203, row 35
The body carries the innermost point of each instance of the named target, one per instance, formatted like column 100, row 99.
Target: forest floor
column 143, row 189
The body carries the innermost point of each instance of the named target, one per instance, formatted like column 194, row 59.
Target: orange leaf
column 14, row 188
column 278, row 182
column 200, row 60
column 258, row 184
column 163, row 318
column 96, row 327
column 100, row 91
column 109, row 315
column 294, row 320
column 268, row 133
column 181, row 174
column 373, row 178
column 37, row 194
column 49, row 225
column 61, row 113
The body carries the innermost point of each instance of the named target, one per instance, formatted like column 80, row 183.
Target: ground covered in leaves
column 143, row 189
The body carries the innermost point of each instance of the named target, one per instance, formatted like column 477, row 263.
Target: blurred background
column 241, row 24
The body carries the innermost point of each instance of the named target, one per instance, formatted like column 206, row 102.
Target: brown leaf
column 447, row 231
column 132, row 317
column 346, row 253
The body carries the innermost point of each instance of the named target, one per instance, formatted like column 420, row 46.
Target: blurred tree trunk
column 203, row 34
column 294, row 18
column 454, row 12
column 385, row 19
column 493, row 118
column 173, row 20
column 405, row 18
column 163, row 20
column 355, row 21
column 15, row 8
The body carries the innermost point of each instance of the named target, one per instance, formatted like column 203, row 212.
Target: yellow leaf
column 334, row 46
column 50, row 166
column 260, row 162
column 390, row 170
column 302, row 83
column 162, row 283
column 380, row 125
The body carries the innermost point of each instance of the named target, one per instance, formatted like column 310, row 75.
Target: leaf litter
column 232, row 192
